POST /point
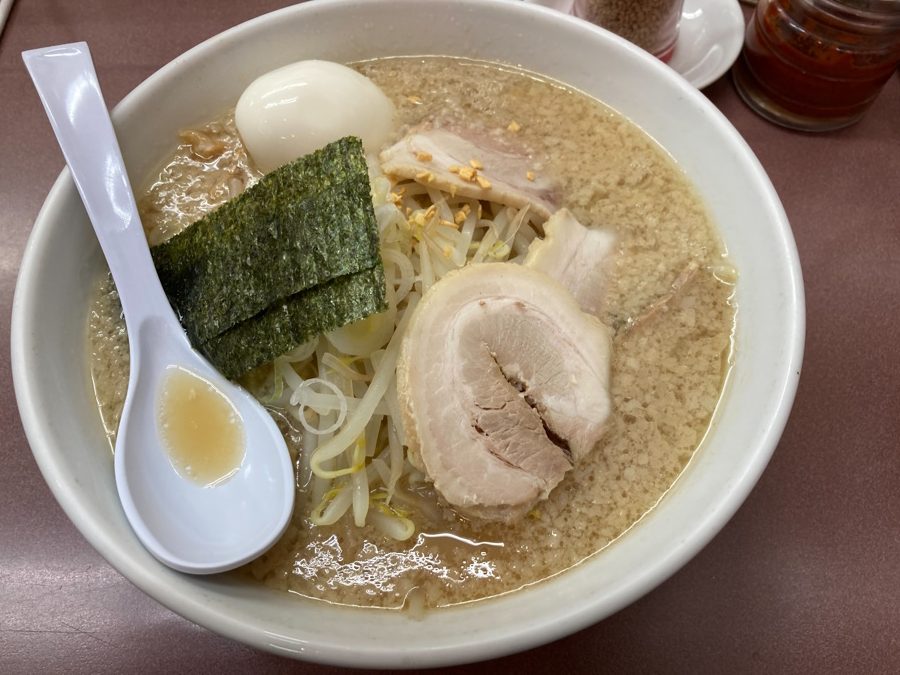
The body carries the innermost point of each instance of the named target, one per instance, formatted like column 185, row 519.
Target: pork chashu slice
column 443, row 159
column 578, row 257
column 504, row 383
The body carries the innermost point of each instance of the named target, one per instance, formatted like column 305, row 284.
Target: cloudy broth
column 669, row 305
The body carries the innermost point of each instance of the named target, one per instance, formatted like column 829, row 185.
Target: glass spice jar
column 817, row 65
column 650, row 24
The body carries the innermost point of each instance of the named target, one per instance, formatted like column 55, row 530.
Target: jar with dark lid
column 817, row 65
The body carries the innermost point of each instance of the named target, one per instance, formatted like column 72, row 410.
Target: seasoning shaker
column 650, row 24
column 817, row 65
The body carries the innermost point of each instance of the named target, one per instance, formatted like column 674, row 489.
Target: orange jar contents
column 817, row 65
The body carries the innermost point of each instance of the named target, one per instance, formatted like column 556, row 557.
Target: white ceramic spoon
column 190, row 527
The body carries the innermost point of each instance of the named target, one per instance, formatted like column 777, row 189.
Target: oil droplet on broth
column 200, row 428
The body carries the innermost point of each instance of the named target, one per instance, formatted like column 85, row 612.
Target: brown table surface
column 806, row 577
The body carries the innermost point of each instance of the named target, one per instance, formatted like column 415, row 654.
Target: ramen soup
column 370, row 528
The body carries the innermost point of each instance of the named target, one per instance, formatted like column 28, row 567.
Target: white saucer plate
column 709, row 40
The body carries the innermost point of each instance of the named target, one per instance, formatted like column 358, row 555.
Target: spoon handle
column 65, row 79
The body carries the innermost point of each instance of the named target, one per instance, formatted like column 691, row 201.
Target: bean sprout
column 297, row 397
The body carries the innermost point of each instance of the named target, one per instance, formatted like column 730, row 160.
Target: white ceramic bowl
column 62, row 255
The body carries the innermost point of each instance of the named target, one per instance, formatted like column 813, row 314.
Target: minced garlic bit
column 470, row 173
column 462, row 214
column 427, row 176
column 419, row 221
column 423, row 156
column 529, row 175
column 514, row 126
column 395, row 197
column 414, row 100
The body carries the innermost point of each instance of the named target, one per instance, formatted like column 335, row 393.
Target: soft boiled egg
column 301, row 107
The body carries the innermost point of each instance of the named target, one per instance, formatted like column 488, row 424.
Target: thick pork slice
column 578, row 257
column 470, row 167
column 504, row 384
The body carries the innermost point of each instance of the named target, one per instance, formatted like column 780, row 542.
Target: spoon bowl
column 189, row 526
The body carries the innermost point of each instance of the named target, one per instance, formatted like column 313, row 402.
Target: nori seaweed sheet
column 296, row 319
column 302, row 225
